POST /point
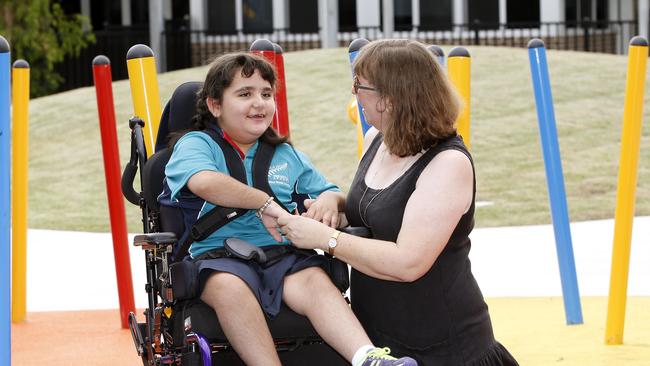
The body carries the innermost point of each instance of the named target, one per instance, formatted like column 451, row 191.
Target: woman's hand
column 304, row 232
column 325, row 208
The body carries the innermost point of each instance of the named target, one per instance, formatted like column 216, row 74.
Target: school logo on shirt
column 278, row 174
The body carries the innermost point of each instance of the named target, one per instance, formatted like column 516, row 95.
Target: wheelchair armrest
column 338, row 272
column 361, row 231
column 146, row 241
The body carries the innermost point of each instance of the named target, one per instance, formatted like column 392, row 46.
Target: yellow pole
column 353, row 115
column 141, row 65
column 625, row 196
column 20, row 144
column 459, row 66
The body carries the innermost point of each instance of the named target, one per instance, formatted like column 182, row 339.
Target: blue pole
column 5, row 207
column 439, row 53
column 353, row 51
column 555, row 180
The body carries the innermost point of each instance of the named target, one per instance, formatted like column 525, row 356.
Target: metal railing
column 587, row 36
column 193, row 48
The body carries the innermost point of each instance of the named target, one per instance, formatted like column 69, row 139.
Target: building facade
column 185, row 33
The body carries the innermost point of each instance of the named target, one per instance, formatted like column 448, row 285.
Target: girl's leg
column 241, row 318
column 311, row 293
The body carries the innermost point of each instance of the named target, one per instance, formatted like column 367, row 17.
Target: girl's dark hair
column 220, row 76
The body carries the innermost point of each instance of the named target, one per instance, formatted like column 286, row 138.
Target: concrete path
column 76, row 271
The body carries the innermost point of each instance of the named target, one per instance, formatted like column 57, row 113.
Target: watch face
column 332, row 243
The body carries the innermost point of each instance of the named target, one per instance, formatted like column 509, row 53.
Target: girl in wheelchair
column 237, row 103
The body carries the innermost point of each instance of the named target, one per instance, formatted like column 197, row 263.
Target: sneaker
column 382, row 357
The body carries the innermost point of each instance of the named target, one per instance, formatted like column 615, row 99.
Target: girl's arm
column 223, row 190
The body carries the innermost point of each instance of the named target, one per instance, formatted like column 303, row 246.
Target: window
column 483, row 14
column 403, row 15
column 577, row 11
column 221, row 17
column 435, row 15
column 258, row 16
column 303, row 16
column 522, row 14
column 105, row 14
column 347, row 15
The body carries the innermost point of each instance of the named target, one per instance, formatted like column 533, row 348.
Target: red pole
column 281, row 95
column 106, row 109
column 264, row 48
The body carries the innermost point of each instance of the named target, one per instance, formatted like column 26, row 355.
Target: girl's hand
column 304, row 232
column 324, row 209
column 269, row 219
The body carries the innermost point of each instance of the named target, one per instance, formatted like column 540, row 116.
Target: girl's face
column 373, row 106
column 246, row 108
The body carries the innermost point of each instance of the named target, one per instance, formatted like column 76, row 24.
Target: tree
column 42, row 34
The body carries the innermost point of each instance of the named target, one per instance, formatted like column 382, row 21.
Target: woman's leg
column 311, row 293
column 241, row 318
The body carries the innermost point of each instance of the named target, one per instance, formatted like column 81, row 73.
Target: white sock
column 360, row 354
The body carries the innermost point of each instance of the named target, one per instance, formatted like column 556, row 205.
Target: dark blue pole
column 353, row 51
column 5, row 206
column 439, row 53
column 555, row 180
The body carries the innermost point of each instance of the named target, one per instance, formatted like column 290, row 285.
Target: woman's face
column 373, row 106
column 246, row 108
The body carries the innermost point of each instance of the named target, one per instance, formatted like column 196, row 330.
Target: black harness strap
column 220, row 216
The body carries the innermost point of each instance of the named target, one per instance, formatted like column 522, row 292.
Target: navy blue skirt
column 266, row 283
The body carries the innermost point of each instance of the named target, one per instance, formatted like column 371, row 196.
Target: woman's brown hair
column 423, row 103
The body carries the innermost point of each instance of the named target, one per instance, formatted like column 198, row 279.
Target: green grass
column 67, row 189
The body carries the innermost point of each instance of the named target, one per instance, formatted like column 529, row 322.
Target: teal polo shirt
column 290, row 172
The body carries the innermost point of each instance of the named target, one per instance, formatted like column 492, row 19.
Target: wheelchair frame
column 153, row 338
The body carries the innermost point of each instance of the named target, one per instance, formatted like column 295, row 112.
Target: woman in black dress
column 412, row 287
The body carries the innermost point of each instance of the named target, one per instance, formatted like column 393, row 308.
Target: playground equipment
column 141, row 66
column 19, row 184
column 459, row 63
column 106, row 109
column 273, row 53
column 281, row 94
column 353, row 51
column 626, row 191
column 355, row 118
column 5, row 199
column 555, row 180
column 439, row 53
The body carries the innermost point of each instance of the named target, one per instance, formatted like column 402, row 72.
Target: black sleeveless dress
column 440, row 319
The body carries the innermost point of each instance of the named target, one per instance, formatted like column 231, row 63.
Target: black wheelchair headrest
column 178, row 112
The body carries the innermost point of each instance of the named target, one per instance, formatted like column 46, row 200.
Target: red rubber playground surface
column 73, row 319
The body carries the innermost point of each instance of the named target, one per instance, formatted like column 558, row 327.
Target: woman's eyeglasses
column 357, row 85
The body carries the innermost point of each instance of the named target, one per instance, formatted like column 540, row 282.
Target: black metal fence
column 587, row 36
column 188, row 48
column 113, row 43
column 193, row 48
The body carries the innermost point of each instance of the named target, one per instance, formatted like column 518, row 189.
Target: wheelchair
column 180, row 329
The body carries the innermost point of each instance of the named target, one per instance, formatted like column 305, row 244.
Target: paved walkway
column 76, row 271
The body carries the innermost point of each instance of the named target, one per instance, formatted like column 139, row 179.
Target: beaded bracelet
column 266, row 205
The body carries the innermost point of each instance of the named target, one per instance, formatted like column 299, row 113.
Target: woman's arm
column 443, row 193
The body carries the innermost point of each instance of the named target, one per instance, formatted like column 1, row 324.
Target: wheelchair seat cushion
column 287, row 325
column 265, row 282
